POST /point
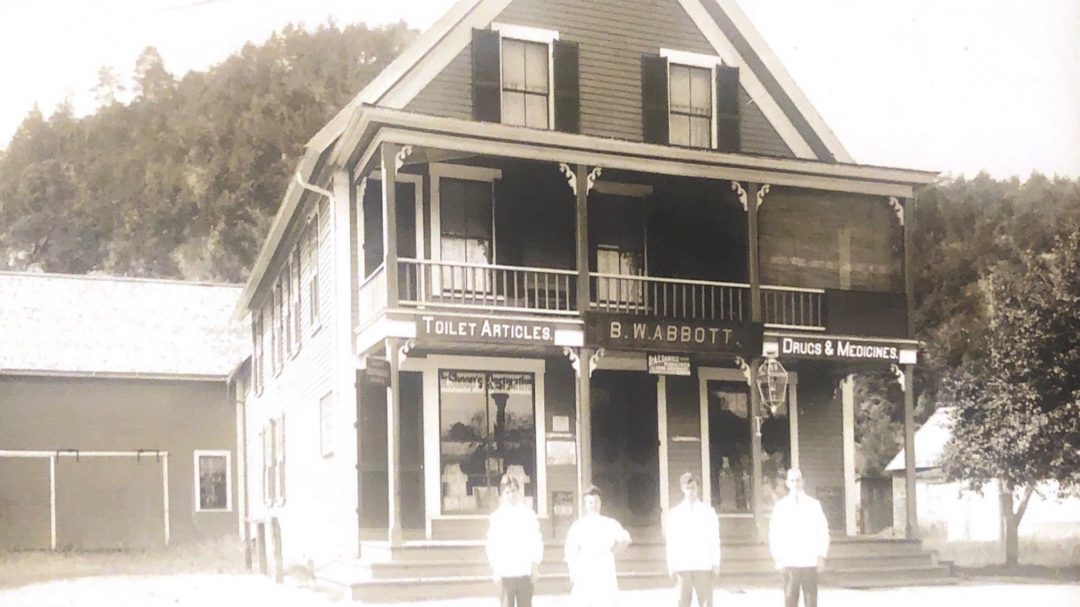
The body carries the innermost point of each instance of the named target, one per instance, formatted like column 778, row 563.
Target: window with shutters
column 276, row 347
column 294, row 301
column 691, row 105
column 279, row 461
column 286, row 311
column 525, row 76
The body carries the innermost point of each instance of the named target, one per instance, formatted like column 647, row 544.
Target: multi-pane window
column 691, row 107
column 275, row 328
column 466, row 222
column 326, row 424
column 257, row 351
column 312, row 275
column 273, row 447
column 286, row 310
column 213, row 483
column 526, row 83
column 294, row 300
column 617, row 227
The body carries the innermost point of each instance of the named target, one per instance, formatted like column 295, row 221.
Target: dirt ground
column 234, row 589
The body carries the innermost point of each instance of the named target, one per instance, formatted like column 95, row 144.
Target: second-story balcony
column 429, row 285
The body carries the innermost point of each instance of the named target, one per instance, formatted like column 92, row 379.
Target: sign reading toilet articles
column 485, row 330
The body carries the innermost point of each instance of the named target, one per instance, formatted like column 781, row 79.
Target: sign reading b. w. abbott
column 628, row 332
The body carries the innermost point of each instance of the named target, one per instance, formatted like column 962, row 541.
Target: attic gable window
column 526, row 83
column 525, row 76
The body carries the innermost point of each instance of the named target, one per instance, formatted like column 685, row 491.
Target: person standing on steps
column 799, row 541
column 693, row 545
column 514, row 545
column 591, row 544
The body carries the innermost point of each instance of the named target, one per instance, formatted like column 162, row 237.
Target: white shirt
column 514, row 544
column 590, row 543
column 798, row 533
column 693, row 537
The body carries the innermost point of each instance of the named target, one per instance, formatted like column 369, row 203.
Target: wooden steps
column 435, row 569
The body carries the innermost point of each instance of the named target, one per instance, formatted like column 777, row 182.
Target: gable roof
column 56, row 324
column 930, row 442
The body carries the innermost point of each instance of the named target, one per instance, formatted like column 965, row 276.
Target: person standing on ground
column 693, row 544
column 514, row 545
column 799, row 541
column 591, row 544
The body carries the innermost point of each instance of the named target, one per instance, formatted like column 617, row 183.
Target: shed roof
column 930, row 442
column 57, row 324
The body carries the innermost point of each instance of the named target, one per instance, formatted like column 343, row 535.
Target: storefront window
column 730, row 444
column 487, row 429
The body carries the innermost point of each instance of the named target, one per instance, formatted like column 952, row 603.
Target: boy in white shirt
column 693, row 544
column 799, row 541
column 514, row 545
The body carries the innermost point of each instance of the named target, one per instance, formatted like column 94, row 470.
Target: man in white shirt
column 693, row 544
column 799, row 541
column 514, row 545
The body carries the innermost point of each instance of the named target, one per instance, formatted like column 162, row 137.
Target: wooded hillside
column 183, row 180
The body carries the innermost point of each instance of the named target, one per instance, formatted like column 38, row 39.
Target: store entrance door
column 626, row 464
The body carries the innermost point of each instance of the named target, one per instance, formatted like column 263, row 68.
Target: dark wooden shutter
column 654, row 98
column 486, row 72
column 567, row 87
column 728, row 138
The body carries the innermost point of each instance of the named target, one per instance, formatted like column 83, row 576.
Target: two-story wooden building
column 554, row 239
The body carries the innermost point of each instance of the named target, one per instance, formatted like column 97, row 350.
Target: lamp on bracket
column 772, row 383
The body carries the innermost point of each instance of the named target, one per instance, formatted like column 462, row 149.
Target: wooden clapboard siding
column 560, row 399
column 821, row 455
column 319, row 491
column 613, row 35
column 821, row 239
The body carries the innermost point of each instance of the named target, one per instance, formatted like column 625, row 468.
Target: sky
column 956, row 86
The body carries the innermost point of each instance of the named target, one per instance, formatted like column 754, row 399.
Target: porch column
column 905, row 213
column 584, row 421
column 851, row 498
column 393, row 442
column 755, row 362
column 584, row 297
column 342, row 206
column 388, row 162
column 912, row 526
column 755, row 452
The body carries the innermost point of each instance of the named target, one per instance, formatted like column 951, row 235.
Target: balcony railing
column 371, row 296
column 792, row 307
column 670, row 298
column 450, row 284
column 445, row 284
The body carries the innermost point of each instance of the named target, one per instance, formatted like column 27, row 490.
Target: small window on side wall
column 213, row 481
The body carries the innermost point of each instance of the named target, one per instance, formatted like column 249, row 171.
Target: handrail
column 678, row 281
column 484, row 266
column 794, row 289
column 373, row 275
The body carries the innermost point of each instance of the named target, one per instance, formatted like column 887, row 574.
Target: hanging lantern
column 772, row 382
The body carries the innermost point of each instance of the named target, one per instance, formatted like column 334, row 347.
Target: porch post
column 912, row 526
column 851, row 499
column 584, row 421
column 755, row 452
column 388, row 163
column 755, row 362
column 907, row 221
column 393, row 442
column 584, row 297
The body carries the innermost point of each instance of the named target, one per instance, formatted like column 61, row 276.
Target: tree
column 1017, row 415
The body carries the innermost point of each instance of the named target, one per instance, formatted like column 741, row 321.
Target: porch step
column 421, row 570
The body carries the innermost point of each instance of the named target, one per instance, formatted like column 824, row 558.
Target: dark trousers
column 689, row 583
column 800, row 577
column 515, row 591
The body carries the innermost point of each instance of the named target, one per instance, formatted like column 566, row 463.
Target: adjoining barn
column 117, row 430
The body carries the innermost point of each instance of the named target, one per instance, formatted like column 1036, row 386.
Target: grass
column 30, row 567
column 1023, row 572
